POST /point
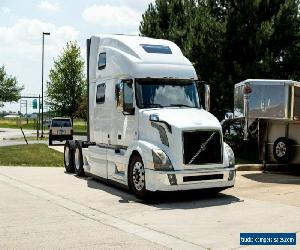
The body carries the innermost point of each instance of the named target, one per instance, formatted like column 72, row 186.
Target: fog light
column 172, row 179
column 231, row 175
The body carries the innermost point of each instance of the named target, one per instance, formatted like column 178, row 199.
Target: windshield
column 61, row 123
column 152, row 93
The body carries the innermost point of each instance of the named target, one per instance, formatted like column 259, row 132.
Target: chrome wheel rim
column 280, row 149
column 77, row 160
column 138, row 176
column 67, row 155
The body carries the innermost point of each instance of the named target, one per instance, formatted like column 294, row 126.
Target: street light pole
column 44, row 34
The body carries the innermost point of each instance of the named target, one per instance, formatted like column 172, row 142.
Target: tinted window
column 267, row 101
column 100, row 95
column 102, row 61
column 160, row 49
column 61, row 123
column 128, row 96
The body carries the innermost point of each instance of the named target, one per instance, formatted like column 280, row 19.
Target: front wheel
column 137, row 181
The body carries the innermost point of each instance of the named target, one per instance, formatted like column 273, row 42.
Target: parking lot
column 45, row 208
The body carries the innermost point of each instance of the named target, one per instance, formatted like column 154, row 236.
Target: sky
column 22, row 23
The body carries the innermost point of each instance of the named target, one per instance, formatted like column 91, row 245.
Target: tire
column 137, row 183
column 50, row 140
column 69, row 156
column 282, row 150
column 78, row 159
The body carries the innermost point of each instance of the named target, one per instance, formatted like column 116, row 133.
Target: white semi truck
column 146, row 128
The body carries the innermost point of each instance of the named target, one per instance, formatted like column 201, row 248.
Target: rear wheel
column 137, row 181
column 78, row 159
column 69, row 156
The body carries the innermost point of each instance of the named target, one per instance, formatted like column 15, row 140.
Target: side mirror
column 204, row 94
column 207, row 97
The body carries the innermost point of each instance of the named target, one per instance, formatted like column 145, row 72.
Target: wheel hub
column 77, row 161
column 138, row 176
column 67, row 155
column 280, row 149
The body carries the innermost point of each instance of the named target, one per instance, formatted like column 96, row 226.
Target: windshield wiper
column 152, row 105
column 180, row 105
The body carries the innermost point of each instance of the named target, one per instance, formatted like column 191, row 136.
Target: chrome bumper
column 189, row 179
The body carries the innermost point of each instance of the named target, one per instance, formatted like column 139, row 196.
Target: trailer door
column 297, row 103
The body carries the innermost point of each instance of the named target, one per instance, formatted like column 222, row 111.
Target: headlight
column 230, row 156
column 161, row 161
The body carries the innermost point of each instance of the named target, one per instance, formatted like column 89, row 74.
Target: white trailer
column 146, row 128
column 268, row 111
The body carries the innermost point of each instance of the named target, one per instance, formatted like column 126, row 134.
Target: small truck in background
column 146, row 128
column 60, row 129
column 267, row 112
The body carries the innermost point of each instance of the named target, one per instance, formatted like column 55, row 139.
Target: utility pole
column 44, row 34
column 38, row 126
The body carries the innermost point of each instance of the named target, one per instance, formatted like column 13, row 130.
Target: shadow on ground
column 275, row 177
column 57, row 144
column 168, row 200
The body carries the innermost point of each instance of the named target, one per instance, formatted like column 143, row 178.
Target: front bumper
column 61, row 137
column 189, row 179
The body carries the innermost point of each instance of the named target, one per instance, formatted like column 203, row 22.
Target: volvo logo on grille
column 202, row 147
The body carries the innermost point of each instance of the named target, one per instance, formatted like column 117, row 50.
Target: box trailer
column 269, row 112
column 146, row 128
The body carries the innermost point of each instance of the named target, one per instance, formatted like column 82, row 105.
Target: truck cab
column 147, row 129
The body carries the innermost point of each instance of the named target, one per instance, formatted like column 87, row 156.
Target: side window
column 100, row 95
column 102, row 61
column 119, row 96
column 128, row 96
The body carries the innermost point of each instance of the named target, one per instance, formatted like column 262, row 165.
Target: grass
column 12, row 123
column 79, row 125
column 29, row 138
column 30, row 155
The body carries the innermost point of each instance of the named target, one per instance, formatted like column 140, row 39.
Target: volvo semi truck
column 146, row 128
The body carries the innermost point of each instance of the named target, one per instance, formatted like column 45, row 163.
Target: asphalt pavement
column 45, row 208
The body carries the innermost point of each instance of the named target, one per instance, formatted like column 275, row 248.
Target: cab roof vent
column 158, row 49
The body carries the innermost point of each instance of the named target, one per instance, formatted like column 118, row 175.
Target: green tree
column 230, row 40
column 67, row 80
column 9, row 89
column 82, row 107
